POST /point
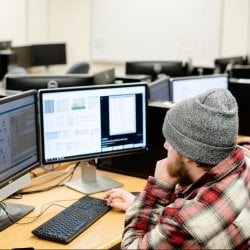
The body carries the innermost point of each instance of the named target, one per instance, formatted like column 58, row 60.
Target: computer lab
column 124, row 124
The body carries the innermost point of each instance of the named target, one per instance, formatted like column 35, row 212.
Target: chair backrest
column 78, row 68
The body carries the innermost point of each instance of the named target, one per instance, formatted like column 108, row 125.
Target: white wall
column 33, row 21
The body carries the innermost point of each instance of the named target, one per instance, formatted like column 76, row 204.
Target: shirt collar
column 232, row 162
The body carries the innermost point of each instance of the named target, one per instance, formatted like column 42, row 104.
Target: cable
column 33, row 218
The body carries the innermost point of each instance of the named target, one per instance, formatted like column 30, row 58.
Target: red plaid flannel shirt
column 212, row 213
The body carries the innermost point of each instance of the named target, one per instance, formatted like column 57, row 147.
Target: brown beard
column 178, row 170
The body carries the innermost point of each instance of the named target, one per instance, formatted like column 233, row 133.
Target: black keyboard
column 73, row 220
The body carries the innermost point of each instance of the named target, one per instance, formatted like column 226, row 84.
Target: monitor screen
column 22, row 56
column 48, row 54
column 154, row 68
column 240, row 88
column 40, row 54
column 240, row 71
column 27, row 82
column 19, row 150
column 186, row 87
column 104, row 77
column 158, row 90
column 92, row 122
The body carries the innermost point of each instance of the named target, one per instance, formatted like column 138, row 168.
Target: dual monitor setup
column 54, row 125
column 68, row 124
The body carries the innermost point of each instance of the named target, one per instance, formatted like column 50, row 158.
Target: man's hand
column 119, row 198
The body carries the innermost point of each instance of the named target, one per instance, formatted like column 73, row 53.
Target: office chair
column 78, row 68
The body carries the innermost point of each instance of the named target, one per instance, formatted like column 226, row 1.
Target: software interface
column 185, row 88
column 92, row 121
column 17, row 136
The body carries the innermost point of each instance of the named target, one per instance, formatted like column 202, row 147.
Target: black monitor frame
column 240, row 89
column 40, row 54
column 48, row 54
column 240, row 71
column 154, row 68
column 16, row 176
column 27, row 82
column 108, row 142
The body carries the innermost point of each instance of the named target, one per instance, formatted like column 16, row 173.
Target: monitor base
column 89, row 183
column 15, row 211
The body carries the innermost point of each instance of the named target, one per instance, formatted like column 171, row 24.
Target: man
column 199, row 197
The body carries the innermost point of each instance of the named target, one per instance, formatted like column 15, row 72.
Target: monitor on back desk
column 186, row 87
column 90, row 123
column 27, row 82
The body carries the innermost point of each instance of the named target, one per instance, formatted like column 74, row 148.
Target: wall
column 30, row 21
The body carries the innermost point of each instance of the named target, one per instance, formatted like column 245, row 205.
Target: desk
column 103, row 234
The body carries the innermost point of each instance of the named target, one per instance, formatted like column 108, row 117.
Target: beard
column 178, row 170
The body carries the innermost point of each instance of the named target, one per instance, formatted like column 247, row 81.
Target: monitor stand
column 15, row 211
column 90, row 183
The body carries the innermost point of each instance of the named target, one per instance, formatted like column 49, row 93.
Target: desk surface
column 101, row 235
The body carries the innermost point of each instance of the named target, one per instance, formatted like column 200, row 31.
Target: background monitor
column 240, row 88
column 27, row 82
column 240, row 71
column 186, row 87
column 40, row 54
column 48, row 54
column 23, row 56
column 104, row 77
column 154, row 68
column 18, row 151
column 223, row 64
column 91, row 123
column 158, row 90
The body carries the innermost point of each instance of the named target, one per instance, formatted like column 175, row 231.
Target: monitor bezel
column 97, row 155
column 172, row 80
column 21, row 172
column 44, row 81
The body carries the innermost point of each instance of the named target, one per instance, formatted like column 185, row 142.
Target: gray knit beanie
column 203, row 128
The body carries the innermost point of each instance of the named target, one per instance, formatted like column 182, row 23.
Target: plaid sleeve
column 150, row 225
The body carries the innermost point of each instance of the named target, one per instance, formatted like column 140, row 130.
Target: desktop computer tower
column 142, row 164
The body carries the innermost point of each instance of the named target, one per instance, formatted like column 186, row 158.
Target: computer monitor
column 23, row 56
column 154, row 68
column 240, row 88
column 240, row 71
column 224, row 64
column 27, row 82
column 186, row 87
column 48, row 54
column 18, row 151
column 40, row 54
column 158, row 90
column 106, row 76
column 89, row 123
